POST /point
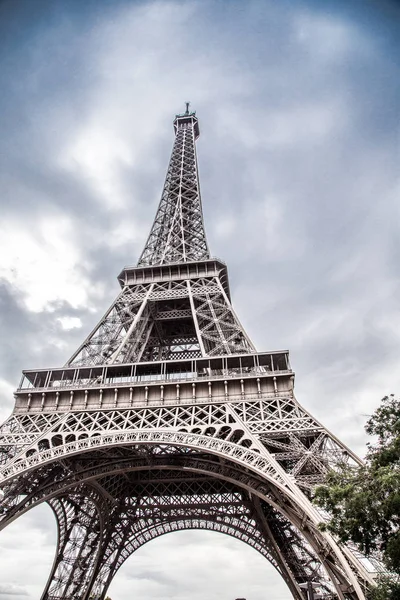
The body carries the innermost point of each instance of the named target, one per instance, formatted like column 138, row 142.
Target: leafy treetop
column 364, row 502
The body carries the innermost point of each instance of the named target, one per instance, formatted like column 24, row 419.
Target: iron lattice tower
column 167, row 418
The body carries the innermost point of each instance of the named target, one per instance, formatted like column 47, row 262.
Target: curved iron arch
column 206, row 525
column 263, row 465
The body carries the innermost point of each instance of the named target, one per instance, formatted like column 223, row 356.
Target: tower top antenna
column 188, row 118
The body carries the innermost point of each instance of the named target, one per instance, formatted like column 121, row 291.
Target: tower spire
column 177, row 234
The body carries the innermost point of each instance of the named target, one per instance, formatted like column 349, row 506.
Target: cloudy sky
column 299, row 164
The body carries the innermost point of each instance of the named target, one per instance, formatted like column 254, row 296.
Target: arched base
column 133, row 493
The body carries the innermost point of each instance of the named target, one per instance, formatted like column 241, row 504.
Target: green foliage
column 385, row 424
column 388, row 588
column 364, row 502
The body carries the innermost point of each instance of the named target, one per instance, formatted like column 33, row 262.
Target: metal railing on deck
column 222, row 367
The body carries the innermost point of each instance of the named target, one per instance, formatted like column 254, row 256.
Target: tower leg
column 80, row 527
column 282, row 560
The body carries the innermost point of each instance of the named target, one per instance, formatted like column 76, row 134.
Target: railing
column 223, row 367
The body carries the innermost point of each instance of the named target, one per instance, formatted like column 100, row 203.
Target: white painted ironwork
column 166, row 418
column 178, row 231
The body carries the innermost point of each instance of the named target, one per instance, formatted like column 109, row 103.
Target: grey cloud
column 29, row 336
column 198, row 563
column 154, row 575
column 12, row 590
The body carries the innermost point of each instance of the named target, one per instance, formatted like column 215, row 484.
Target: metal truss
column 288, row 498
column 160, row 490
column 80, row 520
column 297, row 441
column 166, row 320
column 178, row 232
column 166, row 418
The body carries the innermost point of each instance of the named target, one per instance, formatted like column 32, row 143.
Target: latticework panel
column 219, row 328
column 164, row 321
column 298, row 442
column 59, row 476
column 178, row 232
column 80, row 518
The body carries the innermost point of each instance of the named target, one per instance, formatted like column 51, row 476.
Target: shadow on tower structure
column 167, row 418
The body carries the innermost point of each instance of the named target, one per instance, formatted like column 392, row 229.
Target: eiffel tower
column 167, row 418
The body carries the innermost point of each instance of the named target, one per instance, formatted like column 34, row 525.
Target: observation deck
column 179, row 271
column 201, row 380
column 187, row 119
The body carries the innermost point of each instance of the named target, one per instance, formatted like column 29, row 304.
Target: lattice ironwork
column 178, row 231
column 166, row 418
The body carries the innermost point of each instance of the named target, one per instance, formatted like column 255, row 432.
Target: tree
column 364, row 502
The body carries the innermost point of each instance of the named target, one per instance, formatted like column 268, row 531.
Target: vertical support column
column 132, row 327
column 80, row 528
column 195, row 320
column 113, row 545
column 285, row 570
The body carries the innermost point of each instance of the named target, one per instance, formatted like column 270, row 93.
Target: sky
column 298, row 103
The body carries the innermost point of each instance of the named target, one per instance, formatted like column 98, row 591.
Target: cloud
column 51, row 244
column 197, row 564
column 12, row 590
column 27, row 553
